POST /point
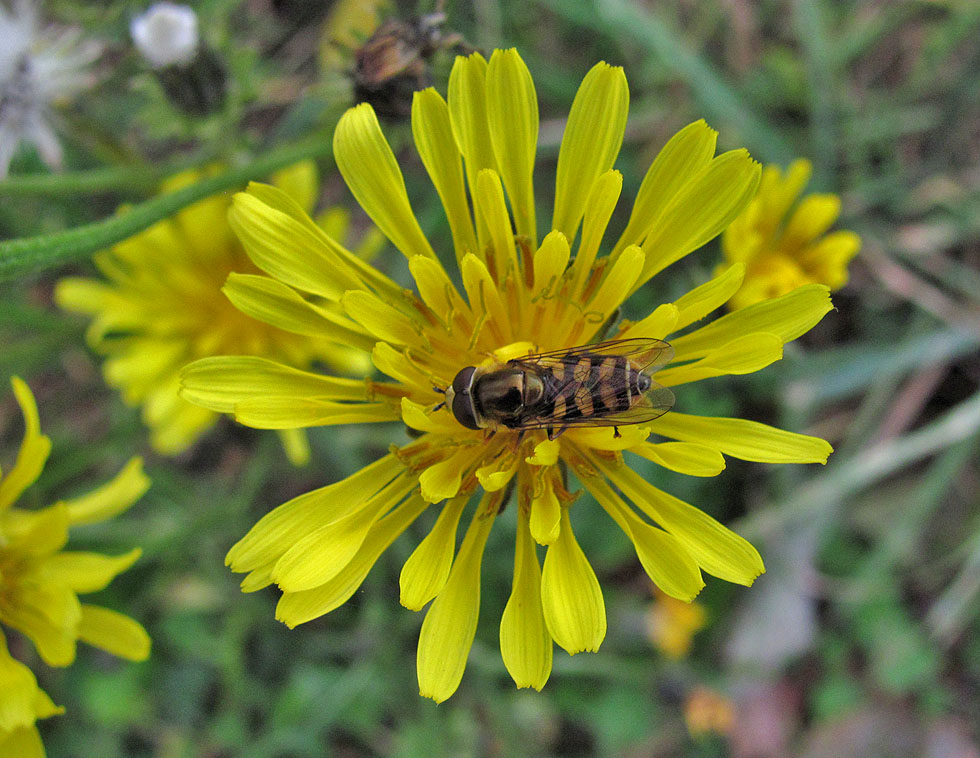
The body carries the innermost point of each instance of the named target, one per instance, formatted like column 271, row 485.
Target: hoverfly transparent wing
column 646, row 354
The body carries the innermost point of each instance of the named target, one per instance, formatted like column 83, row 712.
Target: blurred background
column 862, row 637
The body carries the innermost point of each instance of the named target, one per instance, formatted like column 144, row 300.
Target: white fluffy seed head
column 166, row 34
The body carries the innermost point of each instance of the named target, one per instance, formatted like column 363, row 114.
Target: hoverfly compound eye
column 464, row 411
column 460, row 398
column 464, row 380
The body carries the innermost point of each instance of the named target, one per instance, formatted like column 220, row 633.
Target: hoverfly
column 604, row 384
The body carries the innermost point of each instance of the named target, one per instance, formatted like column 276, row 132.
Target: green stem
column 107, row 179
column 19, row 256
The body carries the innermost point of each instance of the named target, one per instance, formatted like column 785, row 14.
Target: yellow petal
column 296, row 445
column 828, row 258
column 787, row 317
column 525, row 643
column 19, row 688
column 272, row 302
column 221, row 382
column 605, row 438
column 296, row 608
column 778, row 191
column 342, row 268
column 111, row 498
column 684, row 155
column 425, row 572
column 664, row 558
column 545, row 453
column 702, row 300
column 86, row 572
column 747, row 440
column 288, row 249
column 450, row 625
column 470, row 124
column 48, row 614
column 570, row 595
column 292, row 413
column 598, row 210
column 34, row 448
column 550, row 262
column 545, row 520
column 482, row 292
column 512, row 115
column 591, row 142
column 335, row 222
column 320, row 555
column 23, row 742
column 282, row 527
column 497, row 474
column 37, row 532
column 114, row 633
column 684, row 457
column 615, row 286
column 437, row 147
column 442, row 480
column 301, row 182
column 717, row 549
column 424, row 419
column 380, row 319
column 657, row 325
column 369, row 167
column 701, row 209
column 398, row 365
column 813, row 216
column 436, row 289
column 489, row 199
column 743, row 355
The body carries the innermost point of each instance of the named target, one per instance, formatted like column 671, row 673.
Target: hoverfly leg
column 616, row 434
column 553, row 435
column 551, row 431
column 489, row 433
column 519, row 439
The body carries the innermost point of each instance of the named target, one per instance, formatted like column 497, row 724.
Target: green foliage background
column 862, row 638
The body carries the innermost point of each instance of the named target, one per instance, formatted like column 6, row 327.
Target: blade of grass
column 716, row 96
column 900, row 538
column 826, row 492
column 953, row 610
column 835, row 374
column 809, row 20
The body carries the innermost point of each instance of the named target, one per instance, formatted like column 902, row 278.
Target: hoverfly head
column 459, row 398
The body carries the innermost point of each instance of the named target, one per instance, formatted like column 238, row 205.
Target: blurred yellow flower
column 40, row 582
column 707, row 711
column 784, row 243
column 519, row 294
column 165, row 302
column 672, row 624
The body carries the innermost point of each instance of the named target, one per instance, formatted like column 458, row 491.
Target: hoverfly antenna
column 438, row 407
column 438, row 389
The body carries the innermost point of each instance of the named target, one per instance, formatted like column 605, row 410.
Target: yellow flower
column 672, row 623
column 783, row 243
column 40, row 582
column 164, row 305
column 519, row 294
column 707, row 711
